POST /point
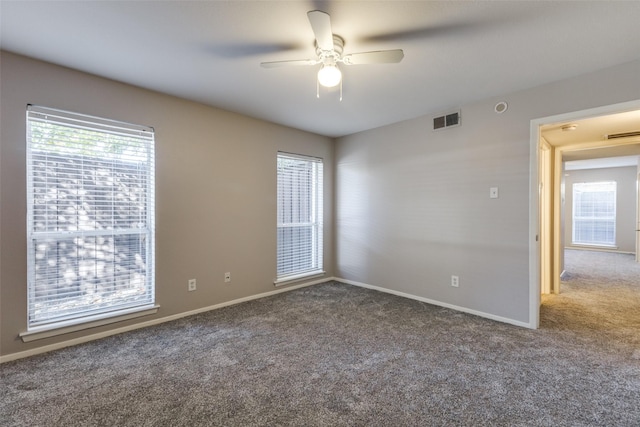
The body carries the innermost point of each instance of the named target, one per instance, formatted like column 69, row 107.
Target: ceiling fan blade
column 375, row 57
column 460, row 28
column 430, row 32
column 274, row 64
column 242, row 50
column 321, row 26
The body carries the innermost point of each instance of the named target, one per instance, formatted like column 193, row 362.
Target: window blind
column 594, row 213
column 300, row 208
column 90, row 216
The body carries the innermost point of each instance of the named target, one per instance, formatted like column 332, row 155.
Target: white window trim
column 296, row 277
column 317, row 245
column 105, row 315
column 88, row 322
column 612, row 245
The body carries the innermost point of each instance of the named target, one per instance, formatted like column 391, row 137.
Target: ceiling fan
column 329, row 49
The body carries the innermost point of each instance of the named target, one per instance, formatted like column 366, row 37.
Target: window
column 594, row 213
column 90, row 218
column 299, row 217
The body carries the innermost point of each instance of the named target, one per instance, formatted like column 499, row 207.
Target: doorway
column 589, row 132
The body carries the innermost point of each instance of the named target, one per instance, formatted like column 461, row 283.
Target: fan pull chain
column 318, row 90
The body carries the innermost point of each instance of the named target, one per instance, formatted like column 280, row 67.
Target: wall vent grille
column 446, row 121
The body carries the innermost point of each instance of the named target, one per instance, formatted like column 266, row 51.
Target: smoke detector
column 569, row 128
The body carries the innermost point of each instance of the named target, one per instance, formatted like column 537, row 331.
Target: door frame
column 638, row 214
column 545, row 192
column 536, row 192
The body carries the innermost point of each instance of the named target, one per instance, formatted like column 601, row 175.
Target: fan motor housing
column 338, row 48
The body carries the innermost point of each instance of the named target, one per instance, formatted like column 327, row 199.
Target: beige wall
column 215, row 190
column 625, row 177
column 413, row 206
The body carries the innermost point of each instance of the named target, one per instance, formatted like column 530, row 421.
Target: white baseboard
column 93, row 337
column 614, row 250
column 438, row 303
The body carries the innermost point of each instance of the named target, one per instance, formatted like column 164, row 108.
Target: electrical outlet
column 455, row 281
column 192, row 285
column 227, row 277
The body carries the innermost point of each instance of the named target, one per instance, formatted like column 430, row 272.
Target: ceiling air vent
column 446, row 121
column 624, row 135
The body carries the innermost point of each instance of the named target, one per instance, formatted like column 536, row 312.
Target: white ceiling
column 210, row 51
column 592, row 129
column 609, row 162
column 586, row 145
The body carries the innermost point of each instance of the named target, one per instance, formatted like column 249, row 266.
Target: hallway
column 599, row 300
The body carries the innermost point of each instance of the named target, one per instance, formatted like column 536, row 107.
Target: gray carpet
column 338, row 355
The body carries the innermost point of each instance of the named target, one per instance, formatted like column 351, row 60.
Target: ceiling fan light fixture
column 329, row 76
column 329, row 48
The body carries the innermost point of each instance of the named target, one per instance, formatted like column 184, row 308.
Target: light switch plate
column 493, row 192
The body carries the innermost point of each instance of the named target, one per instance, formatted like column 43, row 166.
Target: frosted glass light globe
column 329, row 76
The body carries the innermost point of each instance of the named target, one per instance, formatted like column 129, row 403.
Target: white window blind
column 90, row 217
column 594, row 213
column 300, row 246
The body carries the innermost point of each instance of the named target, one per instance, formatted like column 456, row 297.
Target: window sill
column 593, row 246
column 297, row 277
column 61, row 328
